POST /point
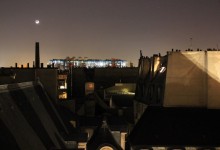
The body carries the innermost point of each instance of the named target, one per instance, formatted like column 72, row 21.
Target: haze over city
column 105, row 29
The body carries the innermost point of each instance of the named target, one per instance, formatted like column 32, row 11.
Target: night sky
column 105, row 28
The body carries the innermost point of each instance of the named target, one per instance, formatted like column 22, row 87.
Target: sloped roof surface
column 28, row 118
column 102, row 136
column 123, row 100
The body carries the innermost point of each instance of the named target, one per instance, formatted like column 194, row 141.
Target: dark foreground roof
column 177, row 127
column 114, row 123
column 102, row 137
column 28, row 120
column 123, row 100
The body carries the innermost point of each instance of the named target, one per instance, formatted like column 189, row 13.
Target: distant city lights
column 89, row 63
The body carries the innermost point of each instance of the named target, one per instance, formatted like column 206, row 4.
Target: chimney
column 37, row 55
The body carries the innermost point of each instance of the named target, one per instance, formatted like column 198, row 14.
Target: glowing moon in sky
column 37, row 21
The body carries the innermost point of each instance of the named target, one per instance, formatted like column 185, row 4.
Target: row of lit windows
column 88, row 63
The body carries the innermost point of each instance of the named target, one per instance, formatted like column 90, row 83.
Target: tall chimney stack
column 37, row 55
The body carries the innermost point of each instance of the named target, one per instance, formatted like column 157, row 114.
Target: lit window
column 63, row 95
column 106, row 148
column 162, row 69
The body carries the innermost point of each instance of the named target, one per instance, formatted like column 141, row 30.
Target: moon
column 37, row 21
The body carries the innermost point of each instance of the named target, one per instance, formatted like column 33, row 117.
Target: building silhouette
column 168, row 102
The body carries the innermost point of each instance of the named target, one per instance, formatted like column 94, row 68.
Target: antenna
column 190, row 43
column 217, row 47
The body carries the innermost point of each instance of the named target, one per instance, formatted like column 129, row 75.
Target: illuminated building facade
column 88, row 63
column 177, row 101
